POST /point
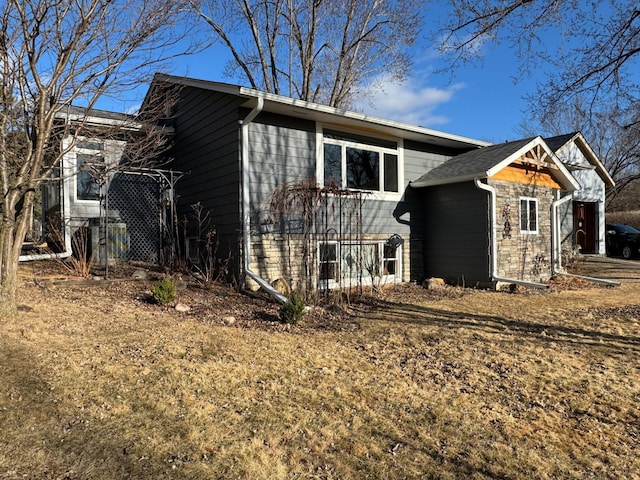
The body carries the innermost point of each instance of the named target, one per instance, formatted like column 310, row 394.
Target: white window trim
column 528, row 199
column 76, row 169
column 110, row 154
column 327, row 284
column 366, row 279
column 374, row 194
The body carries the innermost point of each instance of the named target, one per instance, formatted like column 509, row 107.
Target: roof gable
column 489, row 161
column 560, row 144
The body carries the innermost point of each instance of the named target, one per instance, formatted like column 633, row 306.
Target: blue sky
column 481, row 101
column 478, row 101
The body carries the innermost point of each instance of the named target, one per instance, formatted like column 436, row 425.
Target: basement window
column 528, row 215
column 346, row 264
column 328, row 257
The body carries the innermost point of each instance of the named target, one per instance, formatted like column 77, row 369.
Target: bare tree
column 598, row 51
column 613, row 133
column 54, row 53
column 315, row 50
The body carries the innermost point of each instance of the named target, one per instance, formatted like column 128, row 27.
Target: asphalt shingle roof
column 555, row 143
column 473, row 163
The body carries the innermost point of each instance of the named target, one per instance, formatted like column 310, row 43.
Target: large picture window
column 528, row 215
column 360, row 163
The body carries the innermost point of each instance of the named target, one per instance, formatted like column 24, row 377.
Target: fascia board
column 272, row 101
column 360, row 117
column 566, row 179
column 591, row 156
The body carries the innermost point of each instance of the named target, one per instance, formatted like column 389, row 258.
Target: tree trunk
column 12, row 234
column 8, row 272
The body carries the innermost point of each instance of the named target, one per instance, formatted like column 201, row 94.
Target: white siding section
column 592, row 188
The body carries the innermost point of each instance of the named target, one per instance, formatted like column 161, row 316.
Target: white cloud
column 410, row 102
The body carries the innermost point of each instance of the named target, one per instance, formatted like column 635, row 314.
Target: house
column 325, row 198
column 583, row 215
column 102, row 202
column 492, row 213
column 246, row 149
column 309, row 193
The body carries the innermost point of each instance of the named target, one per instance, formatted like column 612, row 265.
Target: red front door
column 584, row 226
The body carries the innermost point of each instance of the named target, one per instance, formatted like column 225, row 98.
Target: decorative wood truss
column 534, row 167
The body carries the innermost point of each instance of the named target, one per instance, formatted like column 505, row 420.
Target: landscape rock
column 179, row 282
column 433, row 283
column 181, row 307
column 139, row 275
column 229, row 320
column 282, row 286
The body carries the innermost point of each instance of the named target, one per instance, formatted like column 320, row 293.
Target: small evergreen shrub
column 293, row 309
column 164, row 291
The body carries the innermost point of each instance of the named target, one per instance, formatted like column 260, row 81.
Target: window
column 328, row 256
column 528, row 215
column 363, row 169
column 360, row 163
column 389, row 261
column 353, row 264
column 390, row 172
column 87, row 188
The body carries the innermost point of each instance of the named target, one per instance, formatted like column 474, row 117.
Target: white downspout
column 556, row 263
column 556, row 251
column 246, row 204
column 492, row 239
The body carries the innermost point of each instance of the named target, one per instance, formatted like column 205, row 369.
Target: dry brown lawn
column 97, row 383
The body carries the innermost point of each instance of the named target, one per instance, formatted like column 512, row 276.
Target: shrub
column 293, row 309
column 164, row 291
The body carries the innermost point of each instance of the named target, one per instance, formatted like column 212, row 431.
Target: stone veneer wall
column 274, row 256
column 522, row 256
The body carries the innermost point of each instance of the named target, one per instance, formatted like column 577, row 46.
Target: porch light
column 394, row 241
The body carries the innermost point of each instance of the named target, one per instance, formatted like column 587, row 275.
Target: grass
column 98, row 384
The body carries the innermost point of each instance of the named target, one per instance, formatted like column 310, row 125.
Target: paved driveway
column 609, row 268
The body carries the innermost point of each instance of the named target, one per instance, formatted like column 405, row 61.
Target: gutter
column 494, row 249
column 246, row 204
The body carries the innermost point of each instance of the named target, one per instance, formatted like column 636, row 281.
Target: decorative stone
column 433, row 283
column 181, row 307
column 139, row 275
column 229, row 320
column 179, row 282
column 282, row 286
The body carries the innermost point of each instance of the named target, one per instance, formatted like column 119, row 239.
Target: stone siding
column 522, row 256
column 275, row 256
